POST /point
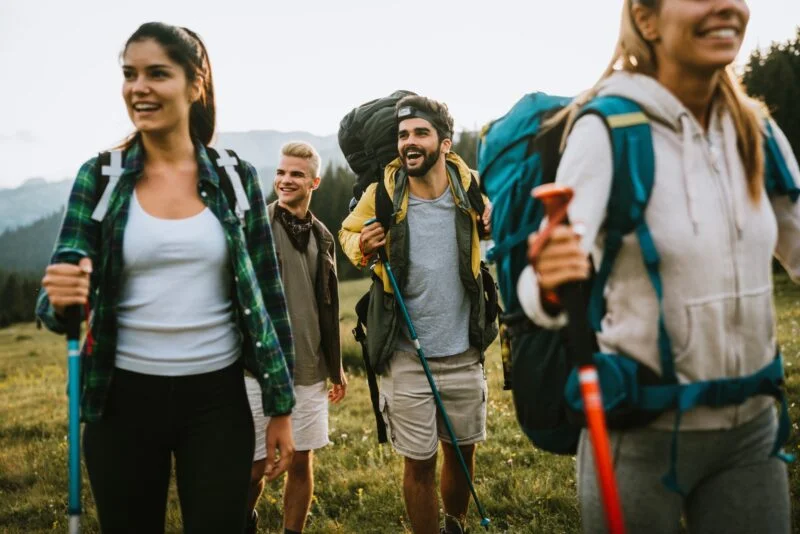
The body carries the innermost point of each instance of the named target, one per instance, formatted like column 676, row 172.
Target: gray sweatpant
column 731, row 483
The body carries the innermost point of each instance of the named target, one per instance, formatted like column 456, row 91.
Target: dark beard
column 428, row 161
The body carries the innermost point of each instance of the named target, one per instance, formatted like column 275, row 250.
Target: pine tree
column 467, row 147
column 774, row 76
column 12, row 299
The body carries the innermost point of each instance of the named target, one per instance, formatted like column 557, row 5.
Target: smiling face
column 419, row 146
column 694, row 35
column 156, row 90
column 295, row 181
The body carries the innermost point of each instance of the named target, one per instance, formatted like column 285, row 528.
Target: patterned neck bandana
column 298, row 230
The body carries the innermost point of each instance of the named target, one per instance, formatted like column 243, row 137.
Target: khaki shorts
column 309, row 417
column 414, row 424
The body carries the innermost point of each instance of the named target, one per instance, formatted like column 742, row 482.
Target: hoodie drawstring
column 688, row 149
column 733, row 162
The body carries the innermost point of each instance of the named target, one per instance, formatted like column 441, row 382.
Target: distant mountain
column 31, row 201
column 262, row 147
column 37, row 198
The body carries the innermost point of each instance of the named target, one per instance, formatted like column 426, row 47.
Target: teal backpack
column 515, row 156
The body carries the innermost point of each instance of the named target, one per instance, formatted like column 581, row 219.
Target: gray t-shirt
column 435, row 297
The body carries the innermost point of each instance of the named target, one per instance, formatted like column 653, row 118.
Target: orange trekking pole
column 579, row 337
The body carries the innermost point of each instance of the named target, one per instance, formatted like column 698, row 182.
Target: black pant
column 204, row 420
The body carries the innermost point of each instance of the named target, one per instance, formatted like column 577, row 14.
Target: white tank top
column 175, row 314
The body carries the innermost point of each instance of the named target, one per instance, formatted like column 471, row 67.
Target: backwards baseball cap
column 410, row 112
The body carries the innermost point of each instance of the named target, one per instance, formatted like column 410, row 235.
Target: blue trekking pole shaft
column 437, row 398
column 73, row 321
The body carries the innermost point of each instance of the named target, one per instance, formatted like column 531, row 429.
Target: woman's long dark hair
column 184, row 47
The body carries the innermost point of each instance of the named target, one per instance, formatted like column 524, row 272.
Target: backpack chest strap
column 229, row 163
column 112, row 172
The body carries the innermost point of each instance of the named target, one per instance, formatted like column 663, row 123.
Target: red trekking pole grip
column 556, row 199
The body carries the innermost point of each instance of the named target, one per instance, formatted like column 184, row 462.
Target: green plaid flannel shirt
column 259, row 302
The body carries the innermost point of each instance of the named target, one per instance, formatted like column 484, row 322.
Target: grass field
column 357, row 482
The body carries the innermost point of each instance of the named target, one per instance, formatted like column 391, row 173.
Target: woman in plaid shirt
column 184, row 295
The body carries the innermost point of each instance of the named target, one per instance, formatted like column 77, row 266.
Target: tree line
column 18, row 293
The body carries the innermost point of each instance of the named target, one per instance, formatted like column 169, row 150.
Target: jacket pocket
column 725, row 335
column 700, row 341
column 382, row 326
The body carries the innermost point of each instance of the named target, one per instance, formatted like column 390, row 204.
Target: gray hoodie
column 715, row 244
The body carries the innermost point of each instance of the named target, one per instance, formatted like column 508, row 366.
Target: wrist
column 364, row 254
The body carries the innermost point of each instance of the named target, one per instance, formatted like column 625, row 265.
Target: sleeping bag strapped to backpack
column 515, row 155
column 368, row 140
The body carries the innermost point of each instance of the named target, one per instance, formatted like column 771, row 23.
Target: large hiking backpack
column 515, row 155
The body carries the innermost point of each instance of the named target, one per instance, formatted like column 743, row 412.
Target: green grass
column 357, row 482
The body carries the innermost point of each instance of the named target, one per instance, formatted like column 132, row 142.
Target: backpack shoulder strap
column 476, row 201
column 633, row 158
column 634, row 174
column 474, row 193
column 108, row 170
column 229, row 169
column 777, row 177
column 384, row 206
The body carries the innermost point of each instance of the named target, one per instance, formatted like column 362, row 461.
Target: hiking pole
column 437, row 398
column 556, row 198
column 73, row 323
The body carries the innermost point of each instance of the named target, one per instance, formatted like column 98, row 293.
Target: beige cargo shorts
column 414, row 424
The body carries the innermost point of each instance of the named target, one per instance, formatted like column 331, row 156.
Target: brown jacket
column 327, row 292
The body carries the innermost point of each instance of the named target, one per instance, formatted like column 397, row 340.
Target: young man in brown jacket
column 306, row 256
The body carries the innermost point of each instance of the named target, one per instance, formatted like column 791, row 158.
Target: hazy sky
column 300, row 65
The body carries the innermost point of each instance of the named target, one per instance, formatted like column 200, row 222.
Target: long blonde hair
column 634, row 54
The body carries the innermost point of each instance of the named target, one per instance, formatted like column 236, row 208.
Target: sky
column 302, row 64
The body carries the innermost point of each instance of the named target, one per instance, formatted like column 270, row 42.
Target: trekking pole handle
column 569, row 296
column 556, row 199
column 72, row 320
column 381, row 250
